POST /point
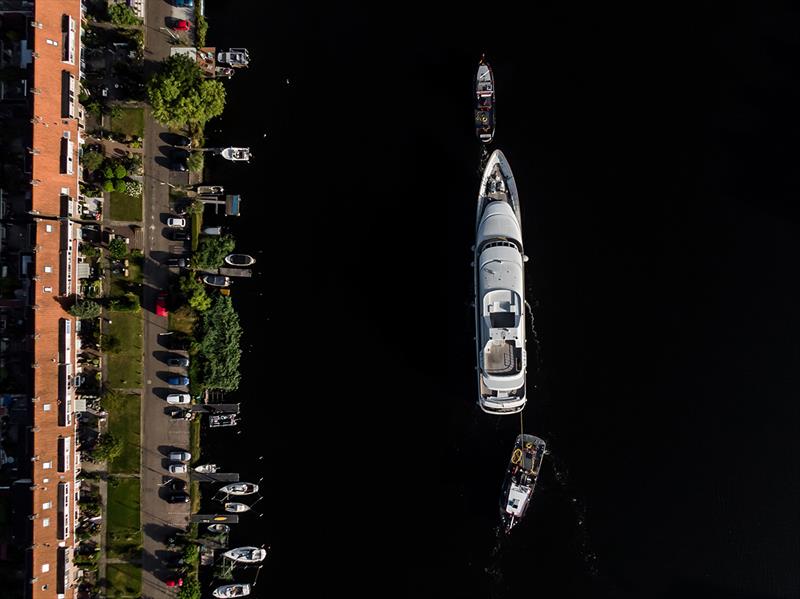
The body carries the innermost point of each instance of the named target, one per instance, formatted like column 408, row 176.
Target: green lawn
column 125, row 207
column 120, row 285
column 124, row 368
column 129, row 122
column 123, row 422
column 124, row 580
column 197, row 224
column 124, row 528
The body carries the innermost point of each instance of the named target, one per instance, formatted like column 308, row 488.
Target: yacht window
column 502, row 320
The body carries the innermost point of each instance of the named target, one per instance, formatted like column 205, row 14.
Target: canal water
column 657, row 173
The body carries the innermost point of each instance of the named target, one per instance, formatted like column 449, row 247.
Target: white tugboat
column 239, row 489
column 499, row 263
column 246, row 555
column 520, row 480
column 232, row 590
column 236, row 154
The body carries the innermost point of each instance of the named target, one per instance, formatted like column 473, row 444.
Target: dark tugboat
column 523, row 469
column 484, row 102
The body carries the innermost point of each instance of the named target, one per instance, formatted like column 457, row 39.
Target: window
column 48, row 290
column 48, row 269
column 48, row 228
column 46, row 522
column 45, row 480
column 47, row 465
column 47, row 505
column 46, row 407
column 45, row 568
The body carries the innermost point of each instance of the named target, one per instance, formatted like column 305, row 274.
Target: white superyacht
column 500, row 292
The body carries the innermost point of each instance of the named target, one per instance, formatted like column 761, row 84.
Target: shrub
column 108, row 172
column 86, row 309
column 120, row 172
column 122, row 15
column 120, row 186
column 108, row 185
column 134, row 188
column 92, row 160
column 118, row 249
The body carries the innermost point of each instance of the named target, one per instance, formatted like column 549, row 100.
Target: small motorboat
column 213, row 190
column 236, row 508
column 219, row 528
column 232, row 590
column 220, row 420
column 236, row 154
column 520, row 480
column 239, row 489
column 235, row 57
column 239, row 259
column 217, row 280
column 484, row 102
column 206, row 468
column 247, row 555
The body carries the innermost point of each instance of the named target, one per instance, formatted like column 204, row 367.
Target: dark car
column 177, row 413
column 184, row 3
column 180, row 235
column 179, row 262
column 178, row 379
column 178, row 160
column 178, row 498
column 181, row 141
column 176, row 485
column 182, row 362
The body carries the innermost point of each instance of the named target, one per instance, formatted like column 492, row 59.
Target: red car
column 182, row 25
column 161, row 304
column 178, row 582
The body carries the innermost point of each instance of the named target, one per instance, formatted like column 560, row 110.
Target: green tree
column 219, row 345
column 122, row 15
column 86, row 309
column 195, row 293
column 92, row 160
column 190, row 589
column 180, row 94
column 107, row 448
column 195, row 162
column 120, row 186
column 108, row 172
column 200, row 30
column 118, row 249
column 120, row 172
column 108, row 185
column 212, row 250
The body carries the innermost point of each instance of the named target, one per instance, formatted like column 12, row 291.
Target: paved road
column 159, row 433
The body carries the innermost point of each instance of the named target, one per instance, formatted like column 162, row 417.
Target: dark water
column 656, row 159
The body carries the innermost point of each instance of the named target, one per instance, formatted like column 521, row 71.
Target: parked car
column 178, row 160
column 178, row 379
column 180, row 362
column 161, row 304
column 181, row 141
column 179, row 398
column 174, row 582
column 174, row 221
column 180, row 456
column 178, row 468
column 181, row 25
column 177, row 413
column 179, row 262
column 176, row 484
column 180, row 235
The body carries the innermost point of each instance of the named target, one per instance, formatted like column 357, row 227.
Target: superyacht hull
column 500, row 321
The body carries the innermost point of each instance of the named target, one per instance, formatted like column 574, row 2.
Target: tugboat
column 246, row 555
column 523, row 469
column 236, row 154
column 232, row 590
column 239, row 489
column 484, row 102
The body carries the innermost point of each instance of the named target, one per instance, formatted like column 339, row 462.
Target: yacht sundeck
column 232, row 590
column 499, row 263
column 520, row 480
column 247, row 555
column 239, row 489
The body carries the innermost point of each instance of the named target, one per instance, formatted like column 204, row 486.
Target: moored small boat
column 239, row 259
column 217, row 280
column 219, row 528
column 247, row 555
column 235, row 507
column 210, row 189
column 240, row 489
column 232, row 590
column 235, row 57
column 236, row 154
column 206, row 468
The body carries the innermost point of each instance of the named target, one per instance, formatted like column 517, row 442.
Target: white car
column 176, row 222
column 180, row 456
column 179, row 398
column 178, row 468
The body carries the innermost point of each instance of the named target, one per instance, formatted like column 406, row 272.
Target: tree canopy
column 212, row 250
column 180, row 94
column 117, row 248
column 86, row 309
column 219, row 345
column 195, row 293
column 107, row 448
